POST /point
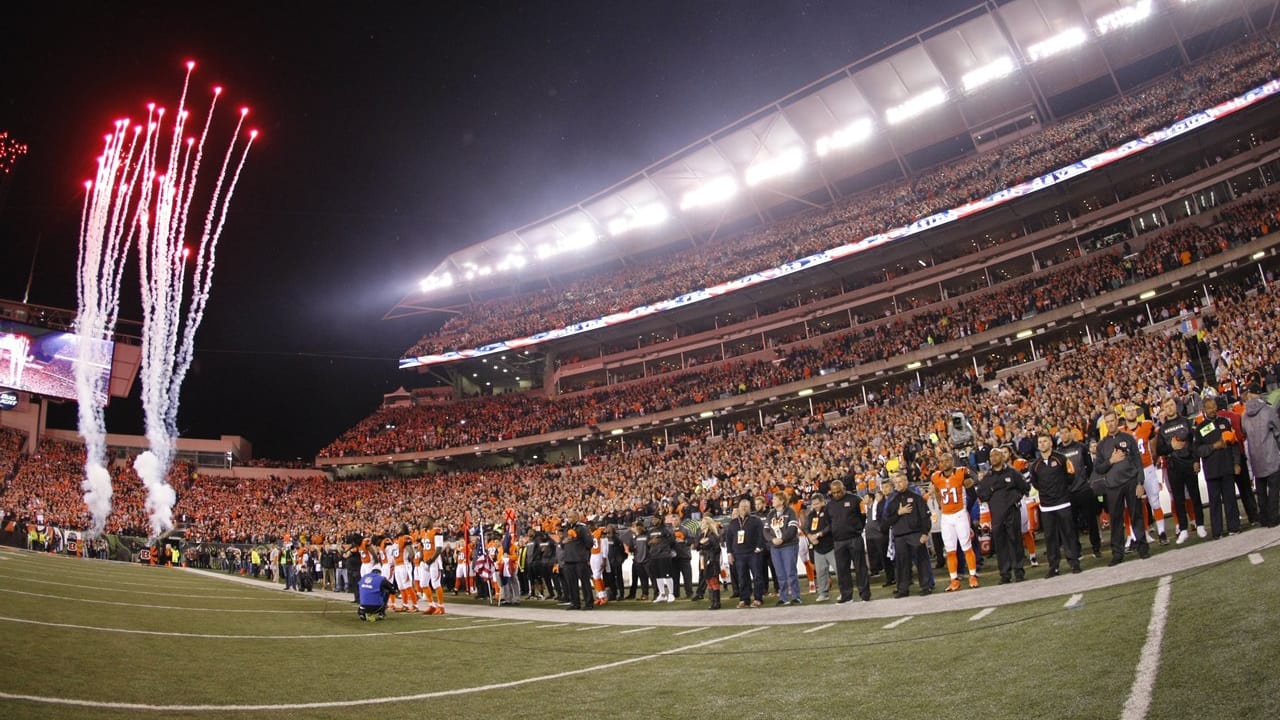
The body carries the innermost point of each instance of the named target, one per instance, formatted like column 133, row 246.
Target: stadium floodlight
column 1063, row 41
column 654, row 213
column 514, row 261
column 436, row 282
column 578, row 240
column 784, row 163
column 915, row 106
column 851, row 134
column 711, row 192
column 988, row 73
column 1124, row 17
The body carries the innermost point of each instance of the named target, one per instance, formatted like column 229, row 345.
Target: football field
column 91, row 639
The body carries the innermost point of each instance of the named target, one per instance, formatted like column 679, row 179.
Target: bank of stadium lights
column 577, row 240
column 915, row 106
column 712, row 192
column 432, row 283
column 984, row 74
column 1124, row 17
column 784, row 163
column 1060, row 43
column 847, row 136
column 644, row 216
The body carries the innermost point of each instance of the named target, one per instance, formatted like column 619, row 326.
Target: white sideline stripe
column 329, row 636
column 1139, row 702
column 695, row 630
column 554, row 625
column 897, row 622
column 816, row 629
column 377, row 700
column 131, row 592
column 1255, row 558
column 591, row 627
column 636, row 630
column 1073, row 600
column 982, row 613
column 157, row 607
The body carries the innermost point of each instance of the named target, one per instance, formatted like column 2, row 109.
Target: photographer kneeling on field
column 374, row 591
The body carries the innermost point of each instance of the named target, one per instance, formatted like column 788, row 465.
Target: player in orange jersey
column 426, row 575
column 949, row 484
column 366, row 556
column 401, row 550
column 599, row 563
column 1144, row 431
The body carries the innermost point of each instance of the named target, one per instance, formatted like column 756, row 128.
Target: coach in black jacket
column 1052, row 475
column 1117, row 475
column 847, row 524
column 909, row 513
column 1002, row 488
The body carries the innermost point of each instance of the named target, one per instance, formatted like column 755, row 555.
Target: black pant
column 1060, row 532
column 577, row 581
column 1084, row 510
column 353, row 582
column 909, row 552
column 1006, row 536
column 1183, row 483
column 751, row 582
column 851, row 562
column 878, row 555
column 1269, row 498
column 1244, row 489
column 682, row 568
column 640, row 576
column 1222, row 499
column 1117, row 502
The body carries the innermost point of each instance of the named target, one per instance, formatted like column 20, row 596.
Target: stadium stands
column 1213, row 79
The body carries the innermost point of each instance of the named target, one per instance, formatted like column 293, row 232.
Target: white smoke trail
column 151, row 204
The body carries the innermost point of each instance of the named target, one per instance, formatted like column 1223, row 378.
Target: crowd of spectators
column 1213, row 79
column 406, row 429
column 705, row 474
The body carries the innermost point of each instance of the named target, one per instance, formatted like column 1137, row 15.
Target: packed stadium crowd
column 491, row 419
column 1215, row 78
column 907, row 432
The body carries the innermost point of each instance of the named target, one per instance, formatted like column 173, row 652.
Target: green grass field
column 170, row 643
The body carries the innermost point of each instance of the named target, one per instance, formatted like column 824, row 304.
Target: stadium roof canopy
column 976, row 71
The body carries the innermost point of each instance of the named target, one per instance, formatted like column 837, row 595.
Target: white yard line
column 982, row 613
column 545, row 627
column 636, row 630
column 217, row 636
column 898, row 622
column 695, row 630
column 1073, row 601
column 1144, row 683
column 1255, row 558
column 816, row 629
column 372, row 701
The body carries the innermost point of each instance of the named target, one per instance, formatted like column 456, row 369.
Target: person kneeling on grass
column 374, row 591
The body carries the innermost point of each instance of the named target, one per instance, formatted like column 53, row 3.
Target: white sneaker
column 1182, row 537
column 671, row 598
column 1151, row 539
column 1035, row 562
column 660, row 598
column 1201, row 532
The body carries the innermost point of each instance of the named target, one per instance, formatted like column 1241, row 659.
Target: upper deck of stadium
column 994, row 71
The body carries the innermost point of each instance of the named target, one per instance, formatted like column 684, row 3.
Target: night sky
column 392, row 134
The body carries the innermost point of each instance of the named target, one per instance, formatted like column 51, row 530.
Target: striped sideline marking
column 373, row 701
column 897, row 622
column 1139, row 702
column 157, row 607
column 982, row 613
column 329, row 636
column 1073, row 601
column 636, row 630
column 695, row 630
column 131, row 592
column 591, row 627
column 816, row 629
column 554, row 625
column 1255, row 558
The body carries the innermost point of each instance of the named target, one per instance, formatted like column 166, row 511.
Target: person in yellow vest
column 175, row 555
column 255, row 561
